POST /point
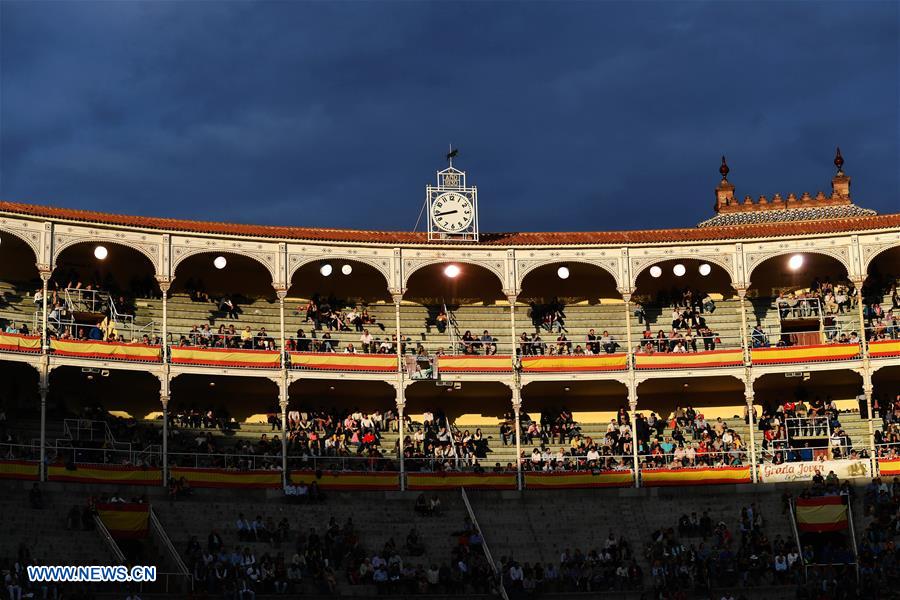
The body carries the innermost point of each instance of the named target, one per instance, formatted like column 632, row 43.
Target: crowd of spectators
column 700, row 554
column 609, row 568
column 687, row 439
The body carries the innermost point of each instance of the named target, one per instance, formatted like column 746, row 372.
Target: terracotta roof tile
column 692, row 234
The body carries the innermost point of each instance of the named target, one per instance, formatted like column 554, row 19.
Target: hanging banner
column 125, row 520
column 698, row 476
column 800, row 354
column 106, row 350
column 349, row 480
column 226, row 357
column 225, row 478
column 19, row 469
column 339, row 361
column 120, row 474
column 454, row 480
column 884, row 348
column 690, row 360
column 559, row 364
column 888, row 467
column 474, row 364
column 14, row 342
column 560, row 480
column 804, row 471
column 821, row 514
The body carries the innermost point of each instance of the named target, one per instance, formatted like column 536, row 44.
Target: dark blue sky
column 568, row 115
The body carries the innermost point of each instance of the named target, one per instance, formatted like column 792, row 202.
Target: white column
column 626, row 296
column 401, row 412
column 164, row 328
column 512, row 325
column 164, row 400
column 745, row 348
column 866, row 370
column 283, row 404
column 45, row 342
column 748, row 396
column 517, row 411
column 282, row 294
column 632, row 406
column 397, row 296
column 44, row 383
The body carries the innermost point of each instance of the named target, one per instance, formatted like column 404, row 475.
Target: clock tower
column 452, row 207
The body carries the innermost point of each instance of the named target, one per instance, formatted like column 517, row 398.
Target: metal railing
column 173, row 554
column 484, row 545
column 108, row 539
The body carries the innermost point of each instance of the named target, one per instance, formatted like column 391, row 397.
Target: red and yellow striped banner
column 449, row 481
column 337, row 361
column 889, row 467
column 558, row 364
column 119, row 474
column 687, row 360
column 108, row 350
column 474, row 364
column 800, row 354
column 349, row 480
column 14, row 342
column 539, row 480
column 226, row 357
column 884, row 348
column 19, row 469
column 125, row 520
column 224, row 478
column 824, row 513
column 700, row 476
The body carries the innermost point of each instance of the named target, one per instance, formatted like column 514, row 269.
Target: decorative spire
column 724, row 168
column 839, row 161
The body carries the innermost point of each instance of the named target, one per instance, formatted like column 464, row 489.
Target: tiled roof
column 803, row 213
column 648, row 236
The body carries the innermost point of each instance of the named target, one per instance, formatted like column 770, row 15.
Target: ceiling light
column 705, row 269
column 679, row 270
column 346, row 269
column 563, row 272
column 655, row 271
column 220, row 262
column 212, row 384
column 325, row 270
column 100, row 252
column 795, row 262
column 451, row 271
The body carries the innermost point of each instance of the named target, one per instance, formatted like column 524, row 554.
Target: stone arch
column 33, row 241
column 411, row 266
column 524, row 268
column 588, row 280
column 383, row 265
column 874, row 253
column 639, row 265
column 754, row 259
column 121, row 266
column 63, row 243
column 265, row 259
column 366, row 283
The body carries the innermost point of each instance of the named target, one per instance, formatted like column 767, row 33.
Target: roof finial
column 724, row 169
column 839, row 161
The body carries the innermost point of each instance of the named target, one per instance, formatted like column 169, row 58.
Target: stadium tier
column 213, row 370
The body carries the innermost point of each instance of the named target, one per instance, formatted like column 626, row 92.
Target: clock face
column 452, row 212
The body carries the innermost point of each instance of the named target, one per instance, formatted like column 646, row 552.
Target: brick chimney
column 840, row 183
column 725, row 190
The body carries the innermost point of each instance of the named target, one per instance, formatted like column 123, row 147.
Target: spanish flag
column 827, row 513
column 125, row 520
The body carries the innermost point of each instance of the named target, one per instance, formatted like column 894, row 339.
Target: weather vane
column 452, row 154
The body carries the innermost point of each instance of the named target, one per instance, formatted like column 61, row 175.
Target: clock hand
column 449, row 212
